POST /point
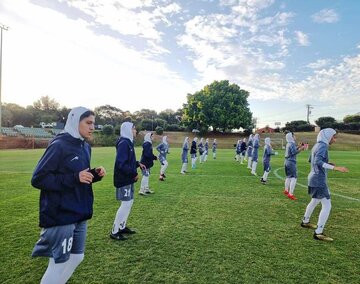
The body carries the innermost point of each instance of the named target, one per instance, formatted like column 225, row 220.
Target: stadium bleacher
column 8, row 131
column 34, row 132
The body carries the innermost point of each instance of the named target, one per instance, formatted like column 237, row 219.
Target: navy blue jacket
column 193, row 148
column 125, row 163
column 148, row 157
column 63, row 198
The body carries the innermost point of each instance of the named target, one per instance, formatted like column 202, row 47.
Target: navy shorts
column 125, row 193
column 319, row 192
column 290, row 170
column 193, row 156
column 59, row 241
column 267, row 166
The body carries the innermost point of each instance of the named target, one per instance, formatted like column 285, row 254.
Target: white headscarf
column 325, row 135
column 195, row 139
column 201, row 140
column 290, row 138
column 164, row 140
column 207, row 140
column 126, row 130
column 186, row 141
column 256, row 137
column 147, row 137
column 267, row 141
column 215, row 140
column 244, row 140
column 238, row 143
column 73, row 120
column 250, row 137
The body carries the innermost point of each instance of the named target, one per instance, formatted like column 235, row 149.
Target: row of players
column 64, row 177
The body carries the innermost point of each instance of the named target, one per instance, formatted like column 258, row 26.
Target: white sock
column 287, row 184
column 265, row 175
column 249, row 162
column 144, row 181
column 214, row 155
column 292, row 185
column 237, row 158
column 253, row 168
column 241, row 159
column 54, row 273
column 122, row 215
column 71, row 265
column 205, row 158
column 164, row 167
column 183, row 168
column 310, row 209
column 324, row 215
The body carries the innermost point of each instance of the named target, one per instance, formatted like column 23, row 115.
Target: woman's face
column 333, row 139
column 86, row 127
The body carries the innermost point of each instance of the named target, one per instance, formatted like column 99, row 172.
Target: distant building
column 265, row 129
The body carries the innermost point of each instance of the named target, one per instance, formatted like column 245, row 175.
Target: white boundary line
column 305, row 186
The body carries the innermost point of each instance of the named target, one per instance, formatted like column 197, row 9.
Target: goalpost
column 278, row 143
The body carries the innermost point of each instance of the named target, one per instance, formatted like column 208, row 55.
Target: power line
column 309, row 108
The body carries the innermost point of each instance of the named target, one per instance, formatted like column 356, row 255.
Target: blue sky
column 136, row 54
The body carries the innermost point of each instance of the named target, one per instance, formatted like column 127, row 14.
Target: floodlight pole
column 2, row 27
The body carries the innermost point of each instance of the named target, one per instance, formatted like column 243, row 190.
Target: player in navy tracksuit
column 291, row 151
column 184, row 156
column 268, row 152
column 317, row 182
column 201, row 150
column 147, row 159
column 214, row 146
column 242, row 150
column 248, row 154
column 193, row 152
column 237, row 150
column 65, row 179
column 255, row 153
column 163, row 149
column 125, row 175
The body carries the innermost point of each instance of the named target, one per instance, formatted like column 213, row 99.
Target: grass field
column 217, row 224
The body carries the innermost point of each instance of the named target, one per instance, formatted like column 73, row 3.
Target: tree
column 108, row 130
column 326, row 122
column 298, row 125
column 45, row 103
column 108, row 114
column 221, row 105
column 352, row 118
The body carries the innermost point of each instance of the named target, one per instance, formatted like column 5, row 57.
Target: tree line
column 219, row 106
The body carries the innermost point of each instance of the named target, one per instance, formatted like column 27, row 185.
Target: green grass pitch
column 217, row 224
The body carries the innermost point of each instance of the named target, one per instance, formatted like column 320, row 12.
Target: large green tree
column 220, row 105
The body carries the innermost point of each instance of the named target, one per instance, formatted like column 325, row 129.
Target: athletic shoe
column 143, row 193
column 161, row 178
column 263, row 181
column 322, row 237
column 126, row 230
column 164, row 175
column 254, row 174
column 118, row 236
column 182, row 173
column 292, row 196
column 308, row 225
column 286, row 192
column 149, row 191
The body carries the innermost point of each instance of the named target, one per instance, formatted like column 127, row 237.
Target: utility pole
column 2, row 27
column 308, row 108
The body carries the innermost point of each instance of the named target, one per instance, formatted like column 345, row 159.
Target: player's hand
column 136, row 178
column 85, row 176
column 142, row 166
column 341, row 169
column 101, row 171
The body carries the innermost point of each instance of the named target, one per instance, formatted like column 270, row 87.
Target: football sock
column 287, row 184
column 324, row 215
column 121, row 216
column 71, row 264
column 310, row 209
column 292, row 185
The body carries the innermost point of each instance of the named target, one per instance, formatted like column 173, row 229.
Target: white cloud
column 302, row 38
column 68, row 62
column 325, row 16
column 320, row 63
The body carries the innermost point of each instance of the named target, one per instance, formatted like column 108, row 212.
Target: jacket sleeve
column 320, row 157
column 122, row 160
column 46, row 175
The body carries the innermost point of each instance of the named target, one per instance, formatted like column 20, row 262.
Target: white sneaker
column 148, row 191
column 182, row 173
column 142, row 192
